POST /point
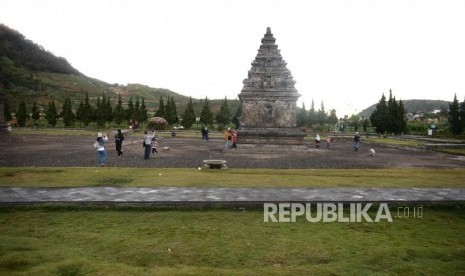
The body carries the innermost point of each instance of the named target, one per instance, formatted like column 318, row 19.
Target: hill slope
column 413, row 106
column 31, row 73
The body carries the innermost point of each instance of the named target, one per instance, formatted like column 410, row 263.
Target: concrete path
column 235, row 196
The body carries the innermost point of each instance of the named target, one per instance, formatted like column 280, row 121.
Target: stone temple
column 269, row 100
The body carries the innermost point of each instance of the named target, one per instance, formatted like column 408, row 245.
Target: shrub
column 157, row 123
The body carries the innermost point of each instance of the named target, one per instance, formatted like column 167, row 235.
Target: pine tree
column 206, row 116
column 109, row 111
column 161, row 109
column 224, row 116
column 143, row 111
column 88, row 111
column 118, row 112
column 80, row 112
column 35, row 112
column 21, row 114
column 379, row 117
column 237, row 116
column 392, row 110
column 130, row 110
column 456, row 126
column 462, row 114
column 321, row 115
column 170, row 112
column 136, row 116
column 301, row 117
column 67, row 113
column 401, row 122
column 188, row 117
column 51, row 114
column 101, row 111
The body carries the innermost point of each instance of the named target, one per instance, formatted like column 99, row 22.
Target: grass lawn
column 391, row 141
column 133, row 241
column 171, row 177
column 457, row 151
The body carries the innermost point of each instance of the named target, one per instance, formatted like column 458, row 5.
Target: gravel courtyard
column 68, row 150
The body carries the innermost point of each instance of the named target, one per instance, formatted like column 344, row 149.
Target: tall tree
column 332, row 119
column 88, row 111
column 206, row 116
column 51, row 114
column 130, row 110
column 161, row 109
column 101, row 111
column 67, row 113
column 379, row 117
column 224, row 116
column 456, row 126
column 136, row 116
column 35, row 112
column 188, row 117
column 321, row 114
column 462, row 114
column 312, row 116
column 236, row 120
column 21, row 114
column 171, row 114
column 118, row 112
column 80, row 112
column 401, row 122
column 108, row 111
column 301, row 116
column 143, row 111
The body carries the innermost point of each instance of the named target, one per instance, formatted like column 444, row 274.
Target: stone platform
column 226, row 196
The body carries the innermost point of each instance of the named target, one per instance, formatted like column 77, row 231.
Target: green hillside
column 31, row 73
column 413, row 106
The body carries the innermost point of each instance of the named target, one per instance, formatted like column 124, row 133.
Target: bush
column 157, row 123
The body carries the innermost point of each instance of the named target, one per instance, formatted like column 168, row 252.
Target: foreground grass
column 164, row 177
column 76, row 241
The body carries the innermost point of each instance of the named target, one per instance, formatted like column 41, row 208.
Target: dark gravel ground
column 68, row 151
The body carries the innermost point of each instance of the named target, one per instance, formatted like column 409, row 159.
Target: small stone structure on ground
column 215, row 164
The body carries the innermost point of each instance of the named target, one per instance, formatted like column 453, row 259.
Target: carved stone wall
column 268, row 99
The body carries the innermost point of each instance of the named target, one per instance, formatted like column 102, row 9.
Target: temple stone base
column 271, row 136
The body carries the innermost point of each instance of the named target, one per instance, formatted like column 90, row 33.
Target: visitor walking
column 356, row 141
column 147, row 144
column 328, row 140
column 119, row 137
column 234, row 139
column 227, row 138
column 317, row 140
column 206, row 133
column 100, row 145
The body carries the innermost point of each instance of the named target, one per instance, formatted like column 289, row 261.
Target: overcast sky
column 344, row 53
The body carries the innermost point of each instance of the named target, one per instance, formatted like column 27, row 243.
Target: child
column 154, row 145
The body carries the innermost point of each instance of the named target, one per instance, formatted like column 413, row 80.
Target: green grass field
column 99, row 241
column 171, row 177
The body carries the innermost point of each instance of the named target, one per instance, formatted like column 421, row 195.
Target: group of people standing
column 150, row 145
column 356, row 141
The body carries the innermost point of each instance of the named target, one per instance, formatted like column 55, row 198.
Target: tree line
column 133, row 113
column 313, row 118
